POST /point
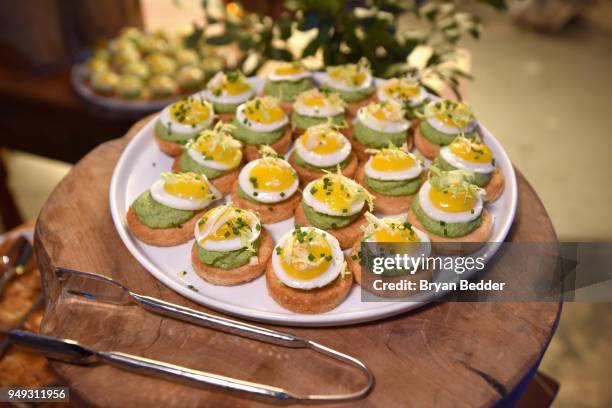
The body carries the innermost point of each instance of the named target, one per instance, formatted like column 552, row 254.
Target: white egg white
column 450, row 130
column 199, row 158
column 341, row 86
column 323, row 208
column 317, row 111
column 323, row 160
column 216, row 220
column 460, row 163
column 181, row 128
column 406, row 174
column 267, row 197
column 382, row 96
column 225, row 98
column 451, row 217
column 160, row 195
column 379, row 125
column 290, row 78
column 256, row 126
column 329, row 275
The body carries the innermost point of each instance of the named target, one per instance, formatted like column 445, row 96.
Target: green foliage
column 346, row 32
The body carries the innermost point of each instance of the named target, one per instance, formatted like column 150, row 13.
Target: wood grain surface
column 447, row 354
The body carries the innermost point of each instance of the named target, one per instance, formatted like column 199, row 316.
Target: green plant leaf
column 315, row 43
column 192, row 40
column 278, row 54
column 284, row 25
column 222, row 39
column 498, row 4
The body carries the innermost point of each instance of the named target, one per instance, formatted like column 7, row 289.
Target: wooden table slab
column 449, row 354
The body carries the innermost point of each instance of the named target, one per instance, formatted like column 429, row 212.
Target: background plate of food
column 143, row 72
column 139, row 177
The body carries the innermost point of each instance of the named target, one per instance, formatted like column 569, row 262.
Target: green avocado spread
column 394, row 187
column 249, row 136
column 228, row 259
column 439, row 138
column 156, row 215
column 351, row 96
column 441, row 228
column 377, row 140
column 480, row 179
column 225, row 107
column 326, row 221
column 304, row 122
column 186, row 163
column 301, row 162
column 165, row 133
column 287, row 90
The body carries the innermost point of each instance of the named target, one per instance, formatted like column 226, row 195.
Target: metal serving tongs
column 102, row 288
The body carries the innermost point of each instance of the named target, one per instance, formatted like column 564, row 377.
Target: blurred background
column 542, row 83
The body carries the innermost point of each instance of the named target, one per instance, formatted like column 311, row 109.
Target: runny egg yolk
column 448, row 202
column 219, row 154
column 314, row 100
column 271, row 177
column 187, row 188
column 392, row 162
column 324, row 143
column 333, row 194
column 257, row 112
column 379, row 114
column 473, row 152
column 319, row 251
column 190, row 111
column 397, row 233
column 402, row 90
column 289, row 70
column 234, row 87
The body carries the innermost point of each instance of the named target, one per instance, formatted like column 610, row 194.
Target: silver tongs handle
column 73, row 352
column 219, row 323
column 190, row 376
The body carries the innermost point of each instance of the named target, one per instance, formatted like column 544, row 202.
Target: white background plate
column 140, row 165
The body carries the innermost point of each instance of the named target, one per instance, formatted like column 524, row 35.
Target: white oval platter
column 140, row 165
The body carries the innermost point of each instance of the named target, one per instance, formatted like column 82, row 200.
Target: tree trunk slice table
column 444, row 354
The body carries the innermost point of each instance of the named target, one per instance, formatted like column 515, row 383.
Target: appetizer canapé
column 378, row 124
column 227, row 90
column 353, row 82
column 316, row 107
column 182, row 121
column 268, row 186
column 287, row 81
column 262, row 121
column 440, row 123
column 393, row 175
column 407, row 91
column 322, row 148
column 230, row 247
column 335, row 203
column 307, row 272
column 214, row 153
column 473, row 155
column 450, row 208
column 165, row 214
column 396, row 234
